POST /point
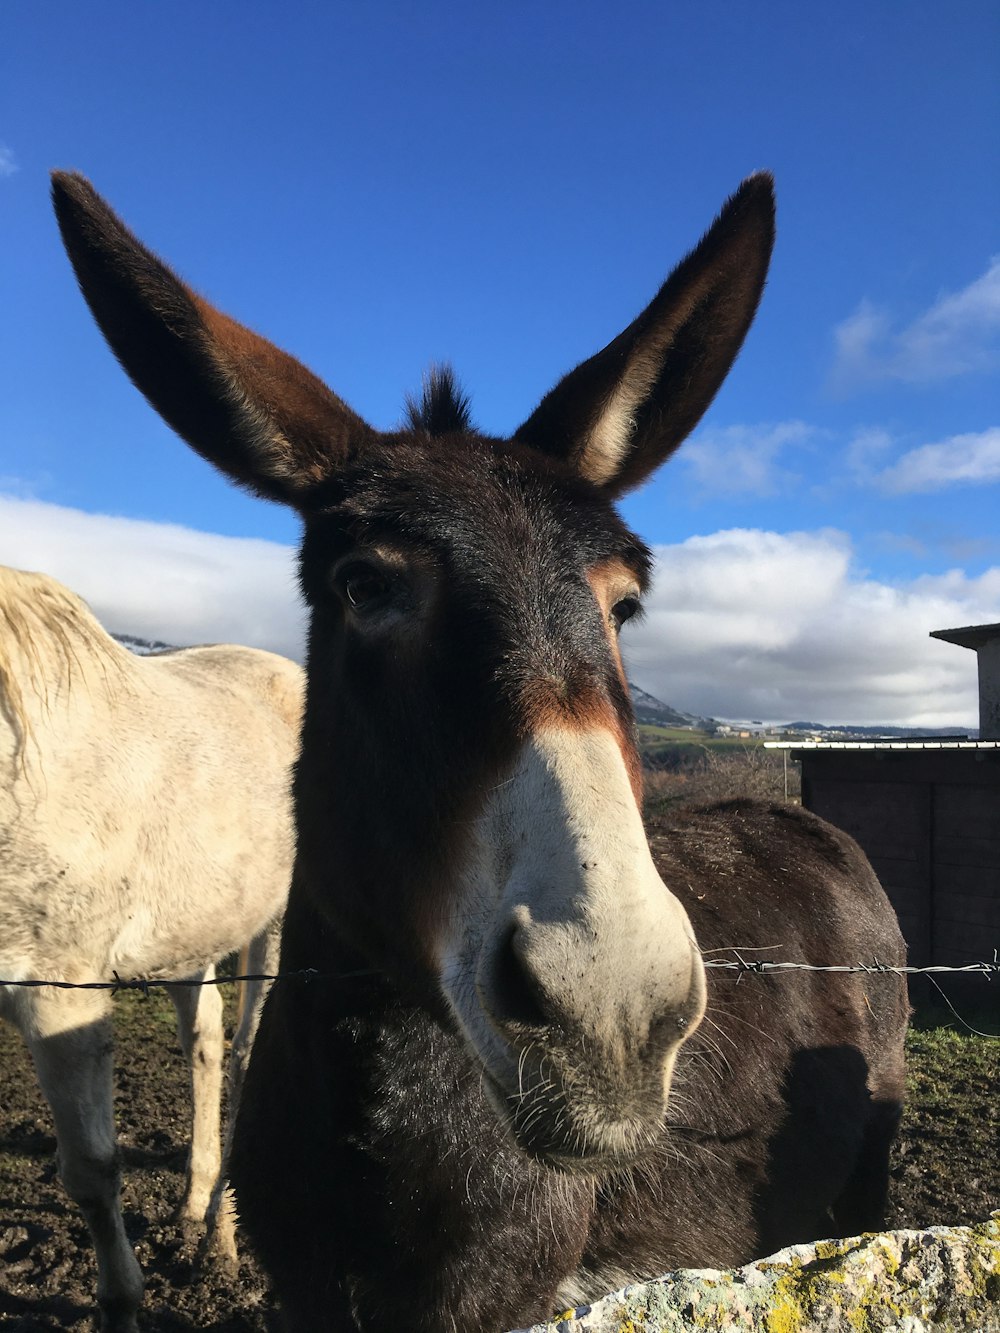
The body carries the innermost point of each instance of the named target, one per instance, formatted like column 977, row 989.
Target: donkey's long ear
column 617, row 416
column 246, row 406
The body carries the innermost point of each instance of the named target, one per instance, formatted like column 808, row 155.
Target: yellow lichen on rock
column 784, row 1316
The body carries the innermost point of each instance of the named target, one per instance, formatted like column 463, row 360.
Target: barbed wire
column 759, row 966
column 744, row 965
column 985, row 969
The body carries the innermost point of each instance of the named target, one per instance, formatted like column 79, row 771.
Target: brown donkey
column 512, row 1088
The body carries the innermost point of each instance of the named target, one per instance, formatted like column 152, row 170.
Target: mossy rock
column 945, row 1279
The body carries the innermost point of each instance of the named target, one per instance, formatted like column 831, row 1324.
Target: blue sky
column 379, row 186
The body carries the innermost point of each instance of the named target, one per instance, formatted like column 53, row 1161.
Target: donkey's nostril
column 517, row 996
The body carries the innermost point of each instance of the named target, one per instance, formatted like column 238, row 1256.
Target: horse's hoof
column 218, row 1249
column 118, row 1317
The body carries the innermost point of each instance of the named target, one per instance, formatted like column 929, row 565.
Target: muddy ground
column 946, row 1170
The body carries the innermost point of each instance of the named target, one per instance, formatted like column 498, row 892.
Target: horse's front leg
column 199, row 1026
column 70, row 1043
column 259, row 958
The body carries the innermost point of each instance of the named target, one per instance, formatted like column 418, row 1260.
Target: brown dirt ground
column 946, row 1170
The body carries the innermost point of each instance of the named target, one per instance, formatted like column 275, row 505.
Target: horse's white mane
column 47, row 635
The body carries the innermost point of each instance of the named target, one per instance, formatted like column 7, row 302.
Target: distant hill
column 654, row 713
column 901, row 733
column 143, row 647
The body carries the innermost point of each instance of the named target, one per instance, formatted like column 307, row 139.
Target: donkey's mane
column 47, row 634
column 443, row 406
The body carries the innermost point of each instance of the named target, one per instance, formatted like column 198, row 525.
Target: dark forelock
column 443, row 407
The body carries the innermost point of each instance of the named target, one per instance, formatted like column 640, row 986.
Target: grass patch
column 946, row 1163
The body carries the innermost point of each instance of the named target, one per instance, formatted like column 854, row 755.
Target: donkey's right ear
column 242, row 403
column 617, row 416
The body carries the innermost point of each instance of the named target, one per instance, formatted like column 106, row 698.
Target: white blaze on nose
column 593, row 919
column 562, row 906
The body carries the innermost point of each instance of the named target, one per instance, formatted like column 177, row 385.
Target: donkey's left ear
column 245, row 405
column 616, row 417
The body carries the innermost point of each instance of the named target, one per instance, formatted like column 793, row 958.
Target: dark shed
column 928, row 817
column 927, row 814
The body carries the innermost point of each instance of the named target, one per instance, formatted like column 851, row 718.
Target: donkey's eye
column 624, row 610
column 364, row 587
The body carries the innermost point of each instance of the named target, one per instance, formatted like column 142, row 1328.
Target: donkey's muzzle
column 589, row 1055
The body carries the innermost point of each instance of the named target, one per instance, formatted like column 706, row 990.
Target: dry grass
column 720, row 775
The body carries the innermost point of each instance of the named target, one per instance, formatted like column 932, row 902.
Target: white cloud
column 744, row 459
column 780, row 626
column 158, row 580
column 973, row 458
column 8, row 163
column 958, row 335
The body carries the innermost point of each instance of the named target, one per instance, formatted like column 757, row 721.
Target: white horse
column 145, row 829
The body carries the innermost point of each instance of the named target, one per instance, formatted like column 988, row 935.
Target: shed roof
column 968, row 636
column 883, row 745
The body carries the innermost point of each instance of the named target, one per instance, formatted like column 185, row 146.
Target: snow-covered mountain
column 653, row 712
